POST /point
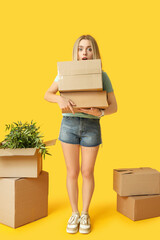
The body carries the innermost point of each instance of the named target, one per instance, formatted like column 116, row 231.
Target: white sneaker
column 73, row 223
column 85, row 224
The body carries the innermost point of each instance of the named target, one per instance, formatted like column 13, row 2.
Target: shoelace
column 84, row 219
column 73, row 219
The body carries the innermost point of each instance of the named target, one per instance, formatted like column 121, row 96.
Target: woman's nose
column 84, row 52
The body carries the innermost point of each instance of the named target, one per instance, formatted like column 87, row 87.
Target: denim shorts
column 78, row 130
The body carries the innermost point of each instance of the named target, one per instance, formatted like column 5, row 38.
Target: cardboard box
column 86, row 99
column 80, row 76
column 139, row 207
column 136, row 181
column 23, row 200
column 21, row 162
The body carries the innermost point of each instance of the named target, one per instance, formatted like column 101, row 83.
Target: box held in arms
column 86, row 100
column 80, row 76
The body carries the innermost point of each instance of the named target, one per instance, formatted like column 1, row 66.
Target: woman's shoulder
column 105, row 76
column 107, row 85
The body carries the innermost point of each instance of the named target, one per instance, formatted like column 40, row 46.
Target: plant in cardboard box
column 24, row 135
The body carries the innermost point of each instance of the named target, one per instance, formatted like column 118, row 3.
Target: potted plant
column 22, row 150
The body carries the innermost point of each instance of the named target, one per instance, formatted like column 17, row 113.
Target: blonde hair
column 94, row 45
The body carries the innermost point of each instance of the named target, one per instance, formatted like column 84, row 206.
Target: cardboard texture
column 24, row 162
column 139, row 207
column 86, row 100
column 23, row 200
column 80, row 76
column 136, row 181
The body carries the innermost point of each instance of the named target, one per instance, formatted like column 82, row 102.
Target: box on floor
column 23, row 200
column 139, row 207
column 136, row 181
column 80, row 75
column 21, row 162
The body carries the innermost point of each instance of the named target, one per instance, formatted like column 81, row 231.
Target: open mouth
column 84, row 58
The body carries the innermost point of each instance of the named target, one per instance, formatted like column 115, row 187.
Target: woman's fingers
column 85, row 109
column 72, row 102
column 70, row 107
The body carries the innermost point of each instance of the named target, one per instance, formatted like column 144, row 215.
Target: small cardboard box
column 21, row 162
column 23, row 200
column 80, row 76
column 86, row 99
column 139, row 207
column 136, row 181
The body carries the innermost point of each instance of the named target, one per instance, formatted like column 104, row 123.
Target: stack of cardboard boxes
column 81, row 82
column 23, row 186
column 138, row 192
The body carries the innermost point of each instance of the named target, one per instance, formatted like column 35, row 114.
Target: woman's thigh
column 71, row 155
column 88, row 155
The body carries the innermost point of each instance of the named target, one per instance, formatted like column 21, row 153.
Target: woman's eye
column 80, row 49
column 90, row 49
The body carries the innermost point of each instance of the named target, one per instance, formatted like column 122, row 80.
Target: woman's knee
column 87, row 173
column 73, row 173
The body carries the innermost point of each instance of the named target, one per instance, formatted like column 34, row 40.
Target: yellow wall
column 37, row 34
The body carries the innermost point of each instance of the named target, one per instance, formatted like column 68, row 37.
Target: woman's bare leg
column 71, row 155
column 89, row 155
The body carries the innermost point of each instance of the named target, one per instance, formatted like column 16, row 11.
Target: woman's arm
column 51, row 96
column 112, row 108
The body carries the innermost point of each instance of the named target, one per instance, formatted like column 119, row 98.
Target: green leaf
column 24, row 135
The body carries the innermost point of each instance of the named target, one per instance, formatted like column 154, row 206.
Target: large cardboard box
column 23, row 200
column 139, row 207
column 21, row 162
column 80, row 76
column 136, row 181
column 86, row 100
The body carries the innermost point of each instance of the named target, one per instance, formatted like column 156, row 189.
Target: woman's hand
column 66, row 104
column 93, row 111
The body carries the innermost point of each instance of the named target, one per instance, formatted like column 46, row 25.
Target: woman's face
column 85, row 51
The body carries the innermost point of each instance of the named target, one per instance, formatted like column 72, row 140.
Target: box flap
column 124, row 171
column 150, row 196
column 9, row 179
column 141, row 170
column 18, row 152
column 51, row 142
column 23, row 151
column 79, row 67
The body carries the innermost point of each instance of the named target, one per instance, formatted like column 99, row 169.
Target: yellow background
column 37, row 34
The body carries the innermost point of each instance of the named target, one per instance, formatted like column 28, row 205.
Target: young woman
column 81, row 130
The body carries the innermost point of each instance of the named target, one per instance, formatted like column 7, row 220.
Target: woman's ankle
column 84, row 212
column 75, row 211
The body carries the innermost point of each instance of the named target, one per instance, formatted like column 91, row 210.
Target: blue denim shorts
column 83, row 131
